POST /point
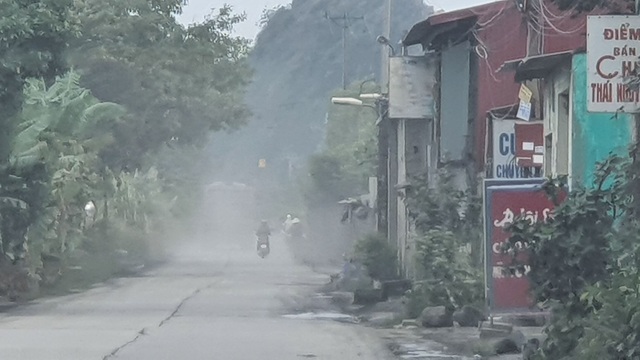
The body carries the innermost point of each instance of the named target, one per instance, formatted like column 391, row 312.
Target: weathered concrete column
column 392, row 181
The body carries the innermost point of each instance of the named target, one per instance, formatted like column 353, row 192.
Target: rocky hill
column 297, row 61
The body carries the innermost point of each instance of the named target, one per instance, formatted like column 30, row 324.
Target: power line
column 345, row 22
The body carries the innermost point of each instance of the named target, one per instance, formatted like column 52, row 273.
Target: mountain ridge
column 297, row 62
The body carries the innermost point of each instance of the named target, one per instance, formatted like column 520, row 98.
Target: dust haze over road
column 214, row 299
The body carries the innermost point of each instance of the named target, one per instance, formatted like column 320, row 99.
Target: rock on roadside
column 468, row 316
column 436, row 317
column 511, row 344
column 367, row 296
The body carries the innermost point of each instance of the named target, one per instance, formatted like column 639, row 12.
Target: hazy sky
column 197, row 9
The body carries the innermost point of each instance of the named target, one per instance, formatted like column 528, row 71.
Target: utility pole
column 345, row 22
column 387, row 144
column 384, row 52
column 382, row 202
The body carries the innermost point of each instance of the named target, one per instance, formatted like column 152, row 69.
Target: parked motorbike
column 263, row 247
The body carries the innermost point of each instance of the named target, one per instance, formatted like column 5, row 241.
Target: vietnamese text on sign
column 613, row 46
column 504, row 152
column 505, row 201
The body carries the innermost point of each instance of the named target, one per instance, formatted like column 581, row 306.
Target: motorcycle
column 263, row 247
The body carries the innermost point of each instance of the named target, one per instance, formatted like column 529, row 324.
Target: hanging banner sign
column 525, row 94
column 508, row 287
column 613, row 47
column 524, row 110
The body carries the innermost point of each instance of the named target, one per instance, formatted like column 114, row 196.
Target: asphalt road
column 210, row 302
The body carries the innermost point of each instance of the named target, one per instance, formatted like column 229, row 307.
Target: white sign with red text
column 613, row 50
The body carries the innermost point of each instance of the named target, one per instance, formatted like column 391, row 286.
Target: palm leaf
column 99, row 112
column 30, row 157
column 67, row 161
column 72, row 110
column 26, row 139
column 35, row 92
column 14, row 203
column 64, row 88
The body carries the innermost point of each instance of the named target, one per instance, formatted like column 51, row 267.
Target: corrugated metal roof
column 433, row 25
column 535, row 67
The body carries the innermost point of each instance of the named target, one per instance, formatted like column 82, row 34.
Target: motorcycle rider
column 263, row 232
column 287, row 224
column 296, row 231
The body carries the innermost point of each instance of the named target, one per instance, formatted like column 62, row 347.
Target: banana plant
column 53, row 160
column 138, row 197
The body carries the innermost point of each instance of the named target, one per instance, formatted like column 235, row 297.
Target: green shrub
column 378, row 256
column 436, row 257
column 612, row 329
column 585, row 266
column 448, row 224
column 417, row 300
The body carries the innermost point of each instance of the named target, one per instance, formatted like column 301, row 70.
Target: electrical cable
column 506, row 116
column 543, row 12
column 484, row 56
column 495, row 17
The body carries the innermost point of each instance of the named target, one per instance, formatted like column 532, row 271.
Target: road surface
column 208, row 303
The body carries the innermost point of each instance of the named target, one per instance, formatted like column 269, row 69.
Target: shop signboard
column 506, row 280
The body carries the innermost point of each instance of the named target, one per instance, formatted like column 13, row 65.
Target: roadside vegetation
column 349, row 153
column 447, row 232
column 585, row 265
column 447, row 235
column 101, row 107
column 339, row 171
column 379, row 258
column 448, row 238
column 585, row 261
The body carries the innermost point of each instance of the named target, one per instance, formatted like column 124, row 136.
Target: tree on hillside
column 297, row 59
column 177, row 83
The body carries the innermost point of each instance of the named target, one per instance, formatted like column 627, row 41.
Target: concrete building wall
column 594, row 135
column 401, row 224
column 454, row 101
column 392, row 181
column 415, row 142
column 557, row 118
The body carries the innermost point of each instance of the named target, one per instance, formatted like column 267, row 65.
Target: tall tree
column 33, row 38
column 349, row 154
column 178, row 83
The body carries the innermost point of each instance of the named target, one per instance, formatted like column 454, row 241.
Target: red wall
column 562, row 31
column 504, row 35
column 502, row 30
column 565, row 30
